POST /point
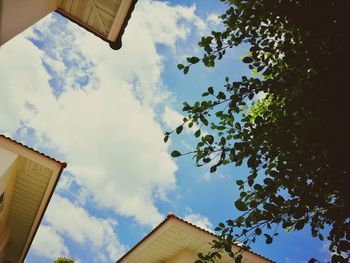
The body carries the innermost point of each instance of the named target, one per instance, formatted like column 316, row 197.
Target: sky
column 64, row 92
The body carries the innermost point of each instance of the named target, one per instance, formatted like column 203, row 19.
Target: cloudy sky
column 104, row 112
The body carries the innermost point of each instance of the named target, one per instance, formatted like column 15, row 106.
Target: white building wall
column 18, row 15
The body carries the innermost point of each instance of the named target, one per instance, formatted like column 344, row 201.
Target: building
column 106, row 19
column 178, row 241
column 27, row 181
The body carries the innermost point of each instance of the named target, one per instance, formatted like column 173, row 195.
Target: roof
column 172, row 216
column 106, row 21
column 63, row 164
column 30, row 181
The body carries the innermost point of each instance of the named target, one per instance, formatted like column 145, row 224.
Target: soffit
column 174, row 238
column 95, row 14
column 32, row 180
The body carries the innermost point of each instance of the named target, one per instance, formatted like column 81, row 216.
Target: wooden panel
column 85, row 13
column 31, row 183
column 95, row 14
column 75, row 6
column 105, row 7
column 68, row 5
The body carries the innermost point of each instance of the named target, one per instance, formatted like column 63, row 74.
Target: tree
column 289, row 121
column 63, row 260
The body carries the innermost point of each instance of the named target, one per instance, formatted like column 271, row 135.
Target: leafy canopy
column 63, row 260
column 289, row 122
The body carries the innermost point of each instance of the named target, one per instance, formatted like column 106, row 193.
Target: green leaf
column 206, row 160
column 268, row 239
column 166, row 138
column 243, row 194
column 186, row 69
column 211, row 90
column 258, row 231
column 209, row 139
column 179, row 129
column 197, row 133
column 239, row 182
column 268, row 181
column 180, row 66
column 247, row 60
column 193, row 60
column 175, row 154
column 221, row 96
column 238, row 259
column 240, row 205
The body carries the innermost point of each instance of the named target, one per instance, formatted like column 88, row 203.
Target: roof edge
column 170, row 216
column 115, row 45
column 61, row 163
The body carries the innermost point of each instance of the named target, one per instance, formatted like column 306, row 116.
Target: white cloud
column 208, row 176
column 214, row 19
column 22, row 78
column 65, row 182
column 100, row 115
column 77, row 224
column 108, row 133
column 199, row 220
column 171, row 118
column 48, row 243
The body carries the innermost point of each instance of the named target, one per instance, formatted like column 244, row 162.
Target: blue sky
column 65, row 92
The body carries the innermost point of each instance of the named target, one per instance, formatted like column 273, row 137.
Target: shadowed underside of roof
column 107, row 19
column 28, row 179
column 172, row 236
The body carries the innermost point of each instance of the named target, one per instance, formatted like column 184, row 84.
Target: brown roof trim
column 117, row 44
column 44, row 211
column 63, row 164
column 172, row 215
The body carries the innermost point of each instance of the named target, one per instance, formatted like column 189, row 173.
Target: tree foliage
column 289, row 121
column 63, row 260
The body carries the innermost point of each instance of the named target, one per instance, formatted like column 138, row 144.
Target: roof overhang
column 28, row 181
column 107, row 19
column 175, row 237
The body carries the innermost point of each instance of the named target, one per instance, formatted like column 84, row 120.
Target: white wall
column 6, row 159
column 17, row 15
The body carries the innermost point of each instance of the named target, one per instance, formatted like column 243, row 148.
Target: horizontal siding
column 172, row 242
column 30, row 186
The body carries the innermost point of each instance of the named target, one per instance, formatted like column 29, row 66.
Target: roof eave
column 114, row 44
column 35, row 228
column 172, row 216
